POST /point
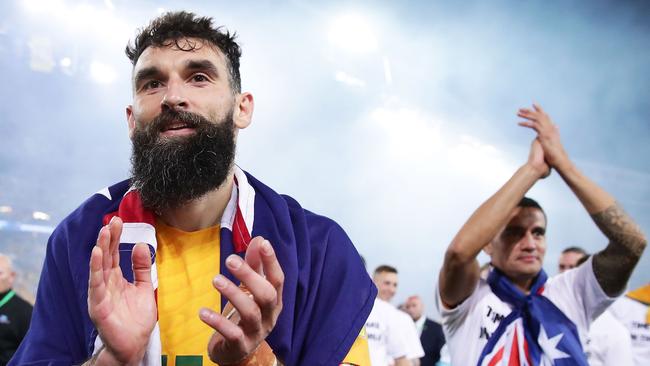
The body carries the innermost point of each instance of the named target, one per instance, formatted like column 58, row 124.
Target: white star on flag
column 549, row 346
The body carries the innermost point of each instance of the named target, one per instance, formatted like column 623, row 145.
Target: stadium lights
column 6, row 209
column 39, row 215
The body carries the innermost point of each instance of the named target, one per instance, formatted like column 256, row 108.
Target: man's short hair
column 575, row 250
column 583, row 259
column 385, row 268
column 172, row 27
column 529, row 202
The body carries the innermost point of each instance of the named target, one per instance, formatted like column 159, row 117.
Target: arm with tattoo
column 613, row 265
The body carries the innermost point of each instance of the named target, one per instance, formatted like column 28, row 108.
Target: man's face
column 518, row 250
column 183, row 122
column 569, row 260
column 7, row 275
column 386, row 283
column 194, row 81
column 414, row 307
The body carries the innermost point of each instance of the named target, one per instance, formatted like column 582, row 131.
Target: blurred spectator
column 430, row 332
column 570, row 257
column 385, row 277
column 633, row 310
column 15, row 313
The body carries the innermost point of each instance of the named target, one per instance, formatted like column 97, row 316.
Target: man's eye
column 199, row 78
column 151, row 84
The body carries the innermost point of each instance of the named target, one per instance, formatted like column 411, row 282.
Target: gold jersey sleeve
column 359, row 355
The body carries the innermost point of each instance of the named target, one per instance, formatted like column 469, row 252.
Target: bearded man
column 193, row 261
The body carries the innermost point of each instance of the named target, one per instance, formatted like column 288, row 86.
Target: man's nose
column 528, row 242
column 174, row 97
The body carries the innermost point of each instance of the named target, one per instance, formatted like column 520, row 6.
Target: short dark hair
column 575, row 250
column 172, row 27
column 529, row 202
column 582, row 259
column 385, row 268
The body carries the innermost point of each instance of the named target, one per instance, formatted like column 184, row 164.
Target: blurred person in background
column 15, row 312
column 608, row 341
column 570, row 257
column 386, row 279
column 431, row 336
column 519, row 315
column 633, row 311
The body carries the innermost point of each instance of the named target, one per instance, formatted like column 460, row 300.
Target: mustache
column 168, row 117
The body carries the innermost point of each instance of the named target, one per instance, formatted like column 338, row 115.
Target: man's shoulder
column 101, row 202
column 82, row 224
column 22, row 304
column 313, row 220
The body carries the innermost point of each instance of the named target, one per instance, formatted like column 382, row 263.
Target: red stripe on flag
column 497, row 358
column 514, row 351
column 240, row 235
column 131, row 210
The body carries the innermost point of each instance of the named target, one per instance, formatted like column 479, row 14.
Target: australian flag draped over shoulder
column 535, row 333
column 327, row 294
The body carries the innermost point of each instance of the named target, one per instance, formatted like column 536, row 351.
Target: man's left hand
column 262, row 275
column 547, row 134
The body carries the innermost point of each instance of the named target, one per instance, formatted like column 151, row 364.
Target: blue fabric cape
column 327, row 293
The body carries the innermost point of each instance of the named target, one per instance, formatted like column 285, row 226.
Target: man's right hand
column 124, row 313
column 536, row 159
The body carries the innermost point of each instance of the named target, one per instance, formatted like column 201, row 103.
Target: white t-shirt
column 384, row 334
column 609, row 342
column 633, row 316
column 469, row 325
column 410, row 336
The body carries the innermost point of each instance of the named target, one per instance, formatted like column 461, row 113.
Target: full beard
column 170, row 172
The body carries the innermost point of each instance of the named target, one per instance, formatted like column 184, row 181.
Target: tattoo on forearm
column 613, row 266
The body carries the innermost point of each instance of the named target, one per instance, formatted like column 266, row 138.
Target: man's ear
column 243, row 113
column 130, row 119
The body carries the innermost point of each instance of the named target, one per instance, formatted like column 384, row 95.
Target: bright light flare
column 353, row 33
column 102, row 73
column 40, row 215
column 347, row 79
column 6, row 209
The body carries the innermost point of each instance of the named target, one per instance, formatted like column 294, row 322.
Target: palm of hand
column 124, row 313
column 127, row 314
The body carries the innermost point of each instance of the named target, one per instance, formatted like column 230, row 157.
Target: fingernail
column 267, row 249
column 219, row 282
column 112, row 219
column 205, row 313
column 233, row 261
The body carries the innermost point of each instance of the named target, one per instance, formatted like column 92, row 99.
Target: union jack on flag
column 535, row 333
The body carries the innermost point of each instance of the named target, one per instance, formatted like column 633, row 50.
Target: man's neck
column 200, row 213
column 523, row 283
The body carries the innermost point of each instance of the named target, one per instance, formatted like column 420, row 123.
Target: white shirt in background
column 410, row 335
column 609, row 342
column 632, row 314
column 385, row 341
